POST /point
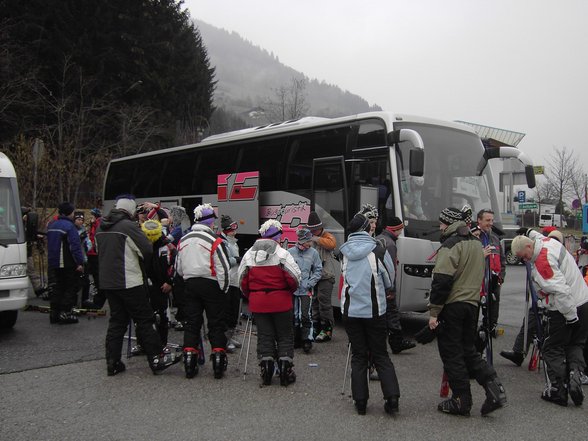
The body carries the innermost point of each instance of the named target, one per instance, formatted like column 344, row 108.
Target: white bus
column 406, row 166
column 14, row 282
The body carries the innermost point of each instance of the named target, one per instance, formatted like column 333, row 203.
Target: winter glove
column 425, row 335
column 523, row 231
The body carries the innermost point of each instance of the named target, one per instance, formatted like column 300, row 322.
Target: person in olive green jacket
column 453, row 307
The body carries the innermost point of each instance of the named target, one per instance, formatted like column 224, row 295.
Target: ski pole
column 346, row 367
column 129, row 349
column 247, row 324
column 248, row 345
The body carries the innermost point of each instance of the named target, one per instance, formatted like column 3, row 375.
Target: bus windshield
column 455, row 175
column 11, row 224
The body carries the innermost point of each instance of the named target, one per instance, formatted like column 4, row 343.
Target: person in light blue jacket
column 311, row 267
column 366, row 282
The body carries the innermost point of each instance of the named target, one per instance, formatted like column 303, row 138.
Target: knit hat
column 204, row 214
column 96, row 212
column 359, row 223
column 303, row 235
column 450, row 215
column 369, row 211
column 271, row 229
column 395, row 224
column 314, row 221
column 467, row 214
column 65, row 208
column 79, row 215
column 127, row 203
column 557, row 235
column 152, row 229
column 179, row 216
column 227, row 223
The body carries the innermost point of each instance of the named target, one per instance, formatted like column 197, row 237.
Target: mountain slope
column 247, row 76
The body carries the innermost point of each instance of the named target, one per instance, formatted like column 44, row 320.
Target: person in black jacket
column 123, row 252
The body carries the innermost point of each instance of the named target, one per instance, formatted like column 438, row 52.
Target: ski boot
column 114, row 367
column 306, row 346
column 316, row 329
column 575, row 387
column 287, row 375
column 399, row 344
column 53, row 316
column 267, row 370
column 556, row 393
column 297, row 337
column 161, row 362
column 458, row 404
column 137, row 350
column 191, row 362
column 67, row 318
column 325, row 335
column 219, row 362
column 495, row 397
column 391, row 405
column 361, row 406
column 516, row 357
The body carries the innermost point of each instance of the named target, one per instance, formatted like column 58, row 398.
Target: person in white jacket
column 564, row 295
column 203, row 263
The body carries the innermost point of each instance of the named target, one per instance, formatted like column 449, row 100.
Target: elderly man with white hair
column 565, row 298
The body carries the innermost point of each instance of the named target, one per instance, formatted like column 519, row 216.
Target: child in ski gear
column 388, row 238
column 203, row 263
column 322, row 309
column 455, row 296
column 269, row 276
column 564, row 295
column 309, row 262
column 366, row 281
column 228, row 235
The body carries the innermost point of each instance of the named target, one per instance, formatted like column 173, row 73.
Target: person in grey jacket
column 366, row 282
column 309, row 262
column 123, row 251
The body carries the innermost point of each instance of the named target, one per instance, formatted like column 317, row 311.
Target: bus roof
column 6, row 167
column 302, row 124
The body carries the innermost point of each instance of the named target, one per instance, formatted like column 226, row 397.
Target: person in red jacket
column 269, row 276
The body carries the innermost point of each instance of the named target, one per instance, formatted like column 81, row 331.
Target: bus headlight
column 13, row 270
column 419, row 270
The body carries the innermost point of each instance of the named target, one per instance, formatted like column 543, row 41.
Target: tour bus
column 406, row 166
column 13, row 253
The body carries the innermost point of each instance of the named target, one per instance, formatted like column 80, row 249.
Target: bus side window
column 267, row 157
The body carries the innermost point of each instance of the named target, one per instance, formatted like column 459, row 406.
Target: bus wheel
column 7, row 319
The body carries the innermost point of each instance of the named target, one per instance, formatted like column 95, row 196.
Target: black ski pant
column 519, row 344
column 99, row 296
column 494, row 302
column 456, row 338
column 64, row 294
column 564, row 344
column 368, row 338
column 232, row 308
column 127, row 304
column 204, row 295
column 274, row 334
column 393, row 317
column 159, row 303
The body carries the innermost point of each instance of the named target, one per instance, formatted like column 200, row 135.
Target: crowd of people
column 142, row 256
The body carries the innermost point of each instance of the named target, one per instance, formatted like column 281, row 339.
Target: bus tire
column 8, row 319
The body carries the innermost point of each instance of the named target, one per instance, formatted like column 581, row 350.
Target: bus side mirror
column 530, row 175
column 417, row 162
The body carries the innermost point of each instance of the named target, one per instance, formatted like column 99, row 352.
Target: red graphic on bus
column 233, row 187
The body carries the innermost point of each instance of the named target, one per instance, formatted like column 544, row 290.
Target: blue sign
column 522, row 197
column 585, row 220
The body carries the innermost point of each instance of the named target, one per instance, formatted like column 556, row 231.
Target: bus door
column 371, row 184
column 329, row 194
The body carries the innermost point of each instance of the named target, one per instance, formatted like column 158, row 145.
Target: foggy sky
column 520, row 65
